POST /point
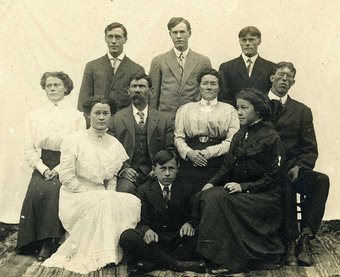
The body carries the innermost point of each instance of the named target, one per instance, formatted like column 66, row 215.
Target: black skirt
column 241, row 229
column 39, row 218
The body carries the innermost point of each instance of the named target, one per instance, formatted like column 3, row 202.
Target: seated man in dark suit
column 110, row 74
column 294, row 123
column 143, row 132
column 248, row 70
column 165, row 236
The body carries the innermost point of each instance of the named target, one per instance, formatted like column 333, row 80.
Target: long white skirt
column 94, row 221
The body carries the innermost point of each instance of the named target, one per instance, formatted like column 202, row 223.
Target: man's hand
column 130, row 174
column 150, row 236
column 50, row 174
column 197, row 158
column 187, row 230
column 232, row 187
column 293, row 173
column 207, row 186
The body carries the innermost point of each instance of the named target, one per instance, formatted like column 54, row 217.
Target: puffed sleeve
column 32, row 154
column 180, row 134
column 67, row 172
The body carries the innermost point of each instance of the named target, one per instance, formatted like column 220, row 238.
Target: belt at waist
column 50, row 158
column 202, row 142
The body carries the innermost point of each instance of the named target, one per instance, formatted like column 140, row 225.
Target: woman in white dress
column 92, row 212
column 39, row 226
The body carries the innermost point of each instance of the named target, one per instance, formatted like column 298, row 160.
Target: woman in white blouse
column 92, row 212
column 203, row 131
column 39, row 226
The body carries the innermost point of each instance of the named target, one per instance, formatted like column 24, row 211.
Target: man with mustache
column 174, row 73
column 143, row 131
column 248, row 70
column 294, row 123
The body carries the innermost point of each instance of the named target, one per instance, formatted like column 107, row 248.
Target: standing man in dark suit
column 174, row 73
column 294, row 123
column 248, row 70
column 143, row 132
column 110, row 74
column 165, row 235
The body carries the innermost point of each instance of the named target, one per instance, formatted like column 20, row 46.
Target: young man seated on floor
column 165, row 237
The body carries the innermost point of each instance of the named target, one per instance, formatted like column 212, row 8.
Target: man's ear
column 151, row 90
column 153, row 168
column 189, row 33
column 271, row 78
column 292, row 82
column 260, row 41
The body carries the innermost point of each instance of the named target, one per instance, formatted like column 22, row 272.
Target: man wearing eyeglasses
column 247, row 70
column 294, row 122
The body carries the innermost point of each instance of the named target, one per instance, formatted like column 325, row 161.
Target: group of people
column 163, row 169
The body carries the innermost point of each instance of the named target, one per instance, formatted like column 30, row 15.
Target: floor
column 326, row 252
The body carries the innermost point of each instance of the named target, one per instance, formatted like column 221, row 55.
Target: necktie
column 249, row 66
column 141, row 121
column 208, row 103
column 114, row 67
column 166, row 195
column 276, row 106
column 180, row 63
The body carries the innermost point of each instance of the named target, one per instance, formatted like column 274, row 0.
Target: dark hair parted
column 115, row 25
column 253, row 31
column 90, row 102
column 176, row 20
column 282, row 65
column 140, row 76
column 165, row 155
column 259, row 100
column 210, row 71
column 68, row 84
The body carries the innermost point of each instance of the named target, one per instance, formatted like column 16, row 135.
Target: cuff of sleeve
column 57, row 168
column 121, row 172
column 41, row 167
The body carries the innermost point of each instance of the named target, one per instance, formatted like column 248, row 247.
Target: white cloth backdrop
column 40, row 36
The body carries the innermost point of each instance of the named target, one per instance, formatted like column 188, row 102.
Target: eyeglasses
column 282, row 75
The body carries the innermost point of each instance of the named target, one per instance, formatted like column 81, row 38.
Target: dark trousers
column 164, row 253
column 124, row 185
column 315, row 186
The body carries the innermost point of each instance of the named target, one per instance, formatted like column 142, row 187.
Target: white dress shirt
column 136, row 115
column 253, row 60
column 118, row 61
column 185, row 54
column 273, row 96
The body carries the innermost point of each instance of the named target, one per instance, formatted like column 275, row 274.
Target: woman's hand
column 207, row 186
column 50, row 174
column 197, row 158
column 232, row 187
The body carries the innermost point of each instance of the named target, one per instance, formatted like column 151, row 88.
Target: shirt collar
column 162, row 187
column 178, row 53
column 212, row 102
column 120, row 57
column 273, row 96
column 135, row 111
column 253, row 58
column 62, row 103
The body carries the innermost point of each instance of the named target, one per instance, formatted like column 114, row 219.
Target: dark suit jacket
column 156, row 216
column 295, row 126
column 236, row 77
column 159, row 131
column 98, row 79
column 170, row 90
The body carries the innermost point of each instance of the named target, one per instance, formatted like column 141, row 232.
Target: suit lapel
column 190, row 65
column 258, row 67
column 287, row 111
column 107, row 67
column 171, row 61
column 156, row 197
column 122, row 68
column 129, row 121
column 241, row 68
column 152, row 123
column 177, row 194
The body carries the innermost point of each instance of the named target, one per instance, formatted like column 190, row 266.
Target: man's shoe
column 305, row 254
column 198, row 267
column 145, row 267
column 290, row 258
column 49, row 246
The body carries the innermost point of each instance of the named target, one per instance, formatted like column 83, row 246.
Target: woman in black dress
column 241, row 216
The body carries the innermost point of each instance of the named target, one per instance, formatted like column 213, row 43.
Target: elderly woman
column 203, row 131
column 90, row 209
column 241, row 218
column 40, row 227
